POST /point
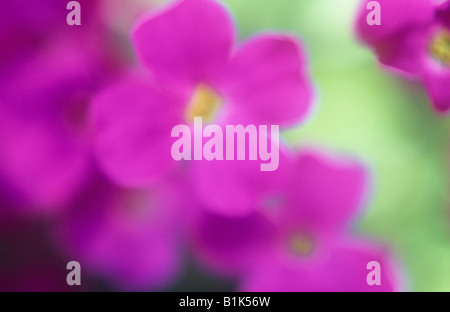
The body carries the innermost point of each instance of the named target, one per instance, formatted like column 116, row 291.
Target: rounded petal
column 133, row 123
column 400, row 40
column 187, row 43
column 348, row 265
column 404, row 53
column 343, row 268
column 267, row 82
column 437, row 80
column 325, row 194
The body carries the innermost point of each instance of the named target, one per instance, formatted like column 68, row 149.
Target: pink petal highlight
column 186, row 43
column 133, row 126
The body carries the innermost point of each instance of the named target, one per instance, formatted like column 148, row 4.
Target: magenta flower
column 413, row 40
column 44, row 126
column 299, row 242
column 46, row 86
column 130, row 237
column 195, row 71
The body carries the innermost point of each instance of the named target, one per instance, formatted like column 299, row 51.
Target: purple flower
column 195, row 71
column 299, row 240
column 44, row 126
column 128, row 236
column 413, row 40
column 45, row 91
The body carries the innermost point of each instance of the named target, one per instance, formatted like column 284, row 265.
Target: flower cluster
column 85, row 140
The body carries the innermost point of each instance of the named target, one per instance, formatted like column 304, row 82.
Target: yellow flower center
column 440, row 47
column 205, row 103
column 301, row 244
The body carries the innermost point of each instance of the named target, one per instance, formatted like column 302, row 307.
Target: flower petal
column 437, row 80
column 133, row 132
column 342, row 268
column 267, row 82
column 325, row 195
column 187, row 43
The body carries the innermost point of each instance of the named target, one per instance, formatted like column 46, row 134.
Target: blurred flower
column 45, row 88
column 299, row 241
column 194, row 72
column 413, row 40
column 128, row 236
column 43, row 129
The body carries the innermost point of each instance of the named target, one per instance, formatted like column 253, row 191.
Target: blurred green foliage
column 384, row 121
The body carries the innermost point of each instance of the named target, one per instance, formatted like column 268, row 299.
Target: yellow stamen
column 440, row 47
column 204, row 103
column 301, row 244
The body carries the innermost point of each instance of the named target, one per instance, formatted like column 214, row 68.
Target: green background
column 384, row 121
